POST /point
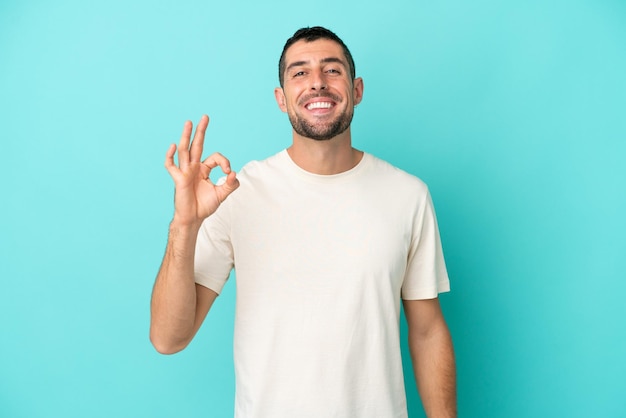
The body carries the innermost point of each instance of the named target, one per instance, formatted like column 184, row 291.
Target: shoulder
column 259, row 176
column 396, row 178
column 259, row 169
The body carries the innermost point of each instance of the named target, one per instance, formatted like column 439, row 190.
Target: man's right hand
column 196, row 196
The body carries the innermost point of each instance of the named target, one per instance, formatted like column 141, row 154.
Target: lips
column 319, row 101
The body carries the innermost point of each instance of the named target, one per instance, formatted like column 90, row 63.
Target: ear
column 279, row 94
column 357, row 90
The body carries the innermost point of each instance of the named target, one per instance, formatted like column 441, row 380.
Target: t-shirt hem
column 426, row 293
column 212, row 284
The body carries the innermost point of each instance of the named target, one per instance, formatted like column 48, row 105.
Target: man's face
column 318, row 93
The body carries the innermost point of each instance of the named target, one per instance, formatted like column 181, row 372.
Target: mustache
column 308, row 97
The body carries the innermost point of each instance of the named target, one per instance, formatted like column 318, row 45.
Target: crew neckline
column 344, row 175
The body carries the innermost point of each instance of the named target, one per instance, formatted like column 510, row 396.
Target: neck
column 332, row 156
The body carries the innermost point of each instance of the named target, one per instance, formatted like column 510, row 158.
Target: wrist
column 185, row 225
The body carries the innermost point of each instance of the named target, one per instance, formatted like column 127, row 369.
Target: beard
column 321, row 131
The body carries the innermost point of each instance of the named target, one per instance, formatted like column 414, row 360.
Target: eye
column 299, row 74
column 333, row 71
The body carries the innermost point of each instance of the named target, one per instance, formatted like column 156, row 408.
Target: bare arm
column 178, row 305
column 432, row 355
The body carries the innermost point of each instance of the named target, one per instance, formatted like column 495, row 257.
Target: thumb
column 226, row 187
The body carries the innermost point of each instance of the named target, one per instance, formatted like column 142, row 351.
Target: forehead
column 317, row 50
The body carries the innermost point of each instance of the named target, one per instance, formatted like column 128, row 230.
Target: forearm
column 435, row 372
column 173, row 306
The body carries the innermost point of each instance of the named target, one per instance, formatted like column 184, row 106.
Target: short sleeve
column 426, row 274
column 214, row 258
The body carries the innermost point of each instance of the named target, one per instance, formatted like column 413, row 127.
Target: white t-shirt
column 321, row 264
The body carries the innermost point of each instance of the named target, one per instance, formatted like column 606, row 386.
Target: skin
column 315, row 72
column 179, row 305
column 432, row 357
column 313, row 68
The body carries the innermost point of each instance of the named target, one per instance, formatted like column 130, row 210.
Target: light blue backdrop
column 512, row 112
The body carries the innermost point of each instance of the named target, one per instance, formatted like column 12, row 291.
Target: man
column 325, row 241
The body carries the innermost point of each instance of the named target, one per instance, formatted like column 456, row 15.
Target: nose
column 318, row 81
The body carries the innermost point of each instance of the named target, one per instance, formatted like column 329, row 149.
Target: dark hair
column 310, row 35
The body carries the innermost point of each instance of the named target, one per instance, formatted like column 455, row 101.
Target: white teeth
column 319, row 105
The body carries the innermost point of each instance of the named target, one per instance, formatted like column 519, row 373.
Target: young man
column 326, row 240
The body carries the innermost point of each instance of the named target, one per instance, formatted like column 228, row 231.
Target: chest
column 318, row 231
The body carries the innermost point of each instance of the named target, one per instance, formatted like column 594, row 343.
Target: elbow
column 164, row 348
column 164, row 345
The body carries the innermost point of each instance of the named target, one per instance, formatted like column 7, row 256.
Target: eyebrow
column 323, row 61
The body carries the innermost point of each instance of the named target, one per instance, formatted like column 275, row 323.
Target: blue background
column 512, row 112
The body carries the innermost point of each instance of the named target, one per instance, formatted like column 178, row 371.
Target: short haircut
column 309, row 35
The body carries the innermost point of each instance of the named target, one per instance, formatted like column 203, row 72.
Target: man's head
column 310, row 35
column 319, row 89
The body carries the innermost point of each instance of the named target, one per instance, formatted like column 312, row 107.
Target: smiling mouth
column 319, row 105
column 324, row 100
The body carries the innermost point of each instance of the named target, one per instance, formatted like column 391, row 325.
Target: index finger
column 217, row 159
